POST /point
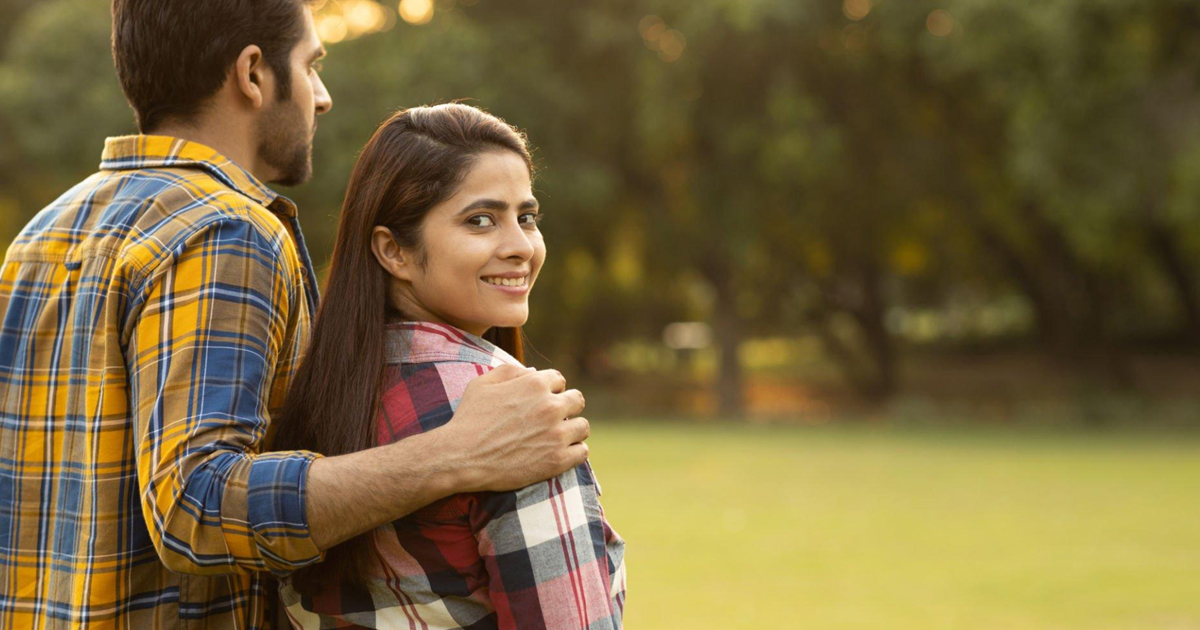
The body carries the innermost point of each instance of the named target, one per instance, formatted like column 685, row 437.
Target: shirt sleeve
column 551, row 558
column 206, row 333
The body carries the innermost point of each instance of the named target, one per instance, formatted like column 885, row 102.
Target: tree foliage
column 769, row 166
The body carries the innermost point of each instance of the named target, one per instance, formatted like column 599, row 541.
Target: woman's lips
column 515, row 285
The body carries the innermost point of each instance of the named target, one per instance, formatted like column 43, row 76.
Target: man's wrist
column 453, row 470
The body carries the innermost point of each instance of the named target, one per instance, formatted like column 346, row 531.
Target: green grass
column 748, row 527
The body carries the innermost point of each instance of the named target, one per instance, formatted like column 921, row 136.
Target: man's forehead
column 311, row 46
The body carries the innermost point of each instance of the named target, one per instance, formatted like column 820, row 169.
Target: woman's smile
column 509, row 283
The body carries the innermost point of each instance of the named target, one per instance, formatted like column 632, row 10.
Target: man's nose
column 322, row 101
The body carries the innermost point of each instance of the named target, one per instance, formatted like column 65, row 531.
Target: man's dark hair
column 172, row 55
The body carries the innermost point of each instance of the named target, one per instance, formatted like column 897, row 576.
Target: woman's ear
column 390, row 255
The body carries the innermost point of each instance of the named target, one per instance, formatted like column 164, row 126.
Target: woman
column 436, row 254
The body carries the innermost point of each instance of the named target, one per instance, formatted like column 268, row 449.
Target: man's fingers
column 576, row 455
column 552, row 379
column 572, row 402
column 576, row 430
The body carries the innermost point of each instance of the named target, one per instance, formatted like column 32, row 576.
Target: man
column 150, row 321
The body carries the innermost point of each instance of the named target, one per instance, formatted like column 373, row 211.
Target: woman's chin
column 515, row 320
column 513, row 325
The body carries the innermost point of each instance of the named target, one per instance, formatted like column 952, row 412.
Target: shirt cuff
column 277, row 511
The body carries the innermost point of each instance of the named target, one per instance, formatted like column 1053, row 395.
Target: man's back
column 150, row 321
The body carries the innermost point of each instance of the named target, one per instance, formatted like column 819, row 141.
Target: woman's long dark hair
column 415, row 160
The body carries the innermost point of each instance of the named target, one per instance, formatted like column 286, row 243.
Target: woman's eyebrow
column 497, row 205
column 484, row 204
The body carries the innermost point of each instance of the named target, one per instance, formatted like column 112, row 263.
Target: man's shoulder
column 143, row 217
column 182, row 202
column 164, row 210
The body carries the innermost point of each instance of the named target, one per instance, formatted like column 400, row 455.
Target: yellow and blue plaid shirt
column 150, row 322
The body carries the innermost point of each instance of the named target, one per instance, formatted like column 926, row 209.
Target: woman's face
column 480, row 251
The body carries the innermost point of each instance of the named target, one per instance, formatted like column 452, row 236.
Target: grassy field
column 752, row 527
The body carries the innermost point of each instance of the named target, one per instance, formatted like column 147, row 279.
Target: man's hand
column 514, row 427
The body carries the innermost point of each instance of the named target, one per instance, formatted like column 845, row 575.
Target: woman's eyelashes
column 482, row 220
column 525, row 219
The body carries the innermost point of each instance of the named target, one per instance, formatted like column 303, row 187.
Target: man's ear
column 252, row 75
column 390, row 255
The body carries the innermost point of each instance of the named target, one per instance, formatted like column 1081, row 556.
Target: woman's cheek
column 539, row 257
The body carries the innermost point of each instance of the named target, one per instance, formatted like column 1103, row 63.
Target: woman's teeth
column 507, row 282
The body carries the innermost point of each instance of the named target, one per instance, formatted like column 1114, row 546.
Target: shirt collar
column 137, row 152
column 426, row 342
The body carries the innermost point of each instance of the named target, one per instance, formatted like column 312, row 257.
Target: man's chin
column 294, row 176
column 291, row 181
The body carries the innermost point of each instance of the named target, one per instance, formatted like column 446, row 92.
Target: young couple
column 179, row 420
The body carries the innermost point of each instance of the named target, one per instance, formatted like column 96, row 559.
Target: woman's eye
column 317, row 67
column 481, row 220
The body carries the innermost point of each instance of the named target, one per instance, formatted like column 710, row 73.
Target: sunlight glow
column 416, row 11
column 856, row 9
column 671, row 45
column 651, row 27
column 332, row 28
column 940, row 23
column 342, row 20
column 667, row 42
column 363, row 16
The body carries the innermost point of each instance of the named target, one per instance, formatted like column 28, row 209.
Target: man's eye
column 530, row 218
column 481, row 220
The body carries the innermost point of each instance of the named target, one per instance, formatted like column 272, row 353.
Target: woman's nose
column 515, row 243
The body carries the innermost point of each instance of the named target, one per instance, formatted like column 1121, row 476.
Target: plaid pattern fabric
column 540, row 557
column 150, row 322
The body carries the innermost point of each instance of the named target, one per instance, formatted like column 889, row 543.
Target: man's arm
column 208, row 327
column 508, row 432
column 207, row 333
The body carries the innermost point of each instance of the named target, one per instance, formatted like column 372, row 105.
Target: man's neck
column 232, row 143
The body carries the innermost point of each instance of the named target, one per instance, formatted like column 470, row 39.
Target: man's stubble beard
column 285, row 144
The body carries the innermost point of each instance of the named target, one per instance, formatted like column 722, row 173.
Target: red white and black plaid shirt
column 539, row 557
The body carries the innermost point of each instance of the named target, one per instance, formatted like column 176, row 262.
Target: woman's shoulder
column 420, row 397
column 427, row 342
column 429, row 368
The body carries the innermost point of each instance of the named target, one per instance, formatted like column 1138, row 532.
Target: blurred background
column 887, row 311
